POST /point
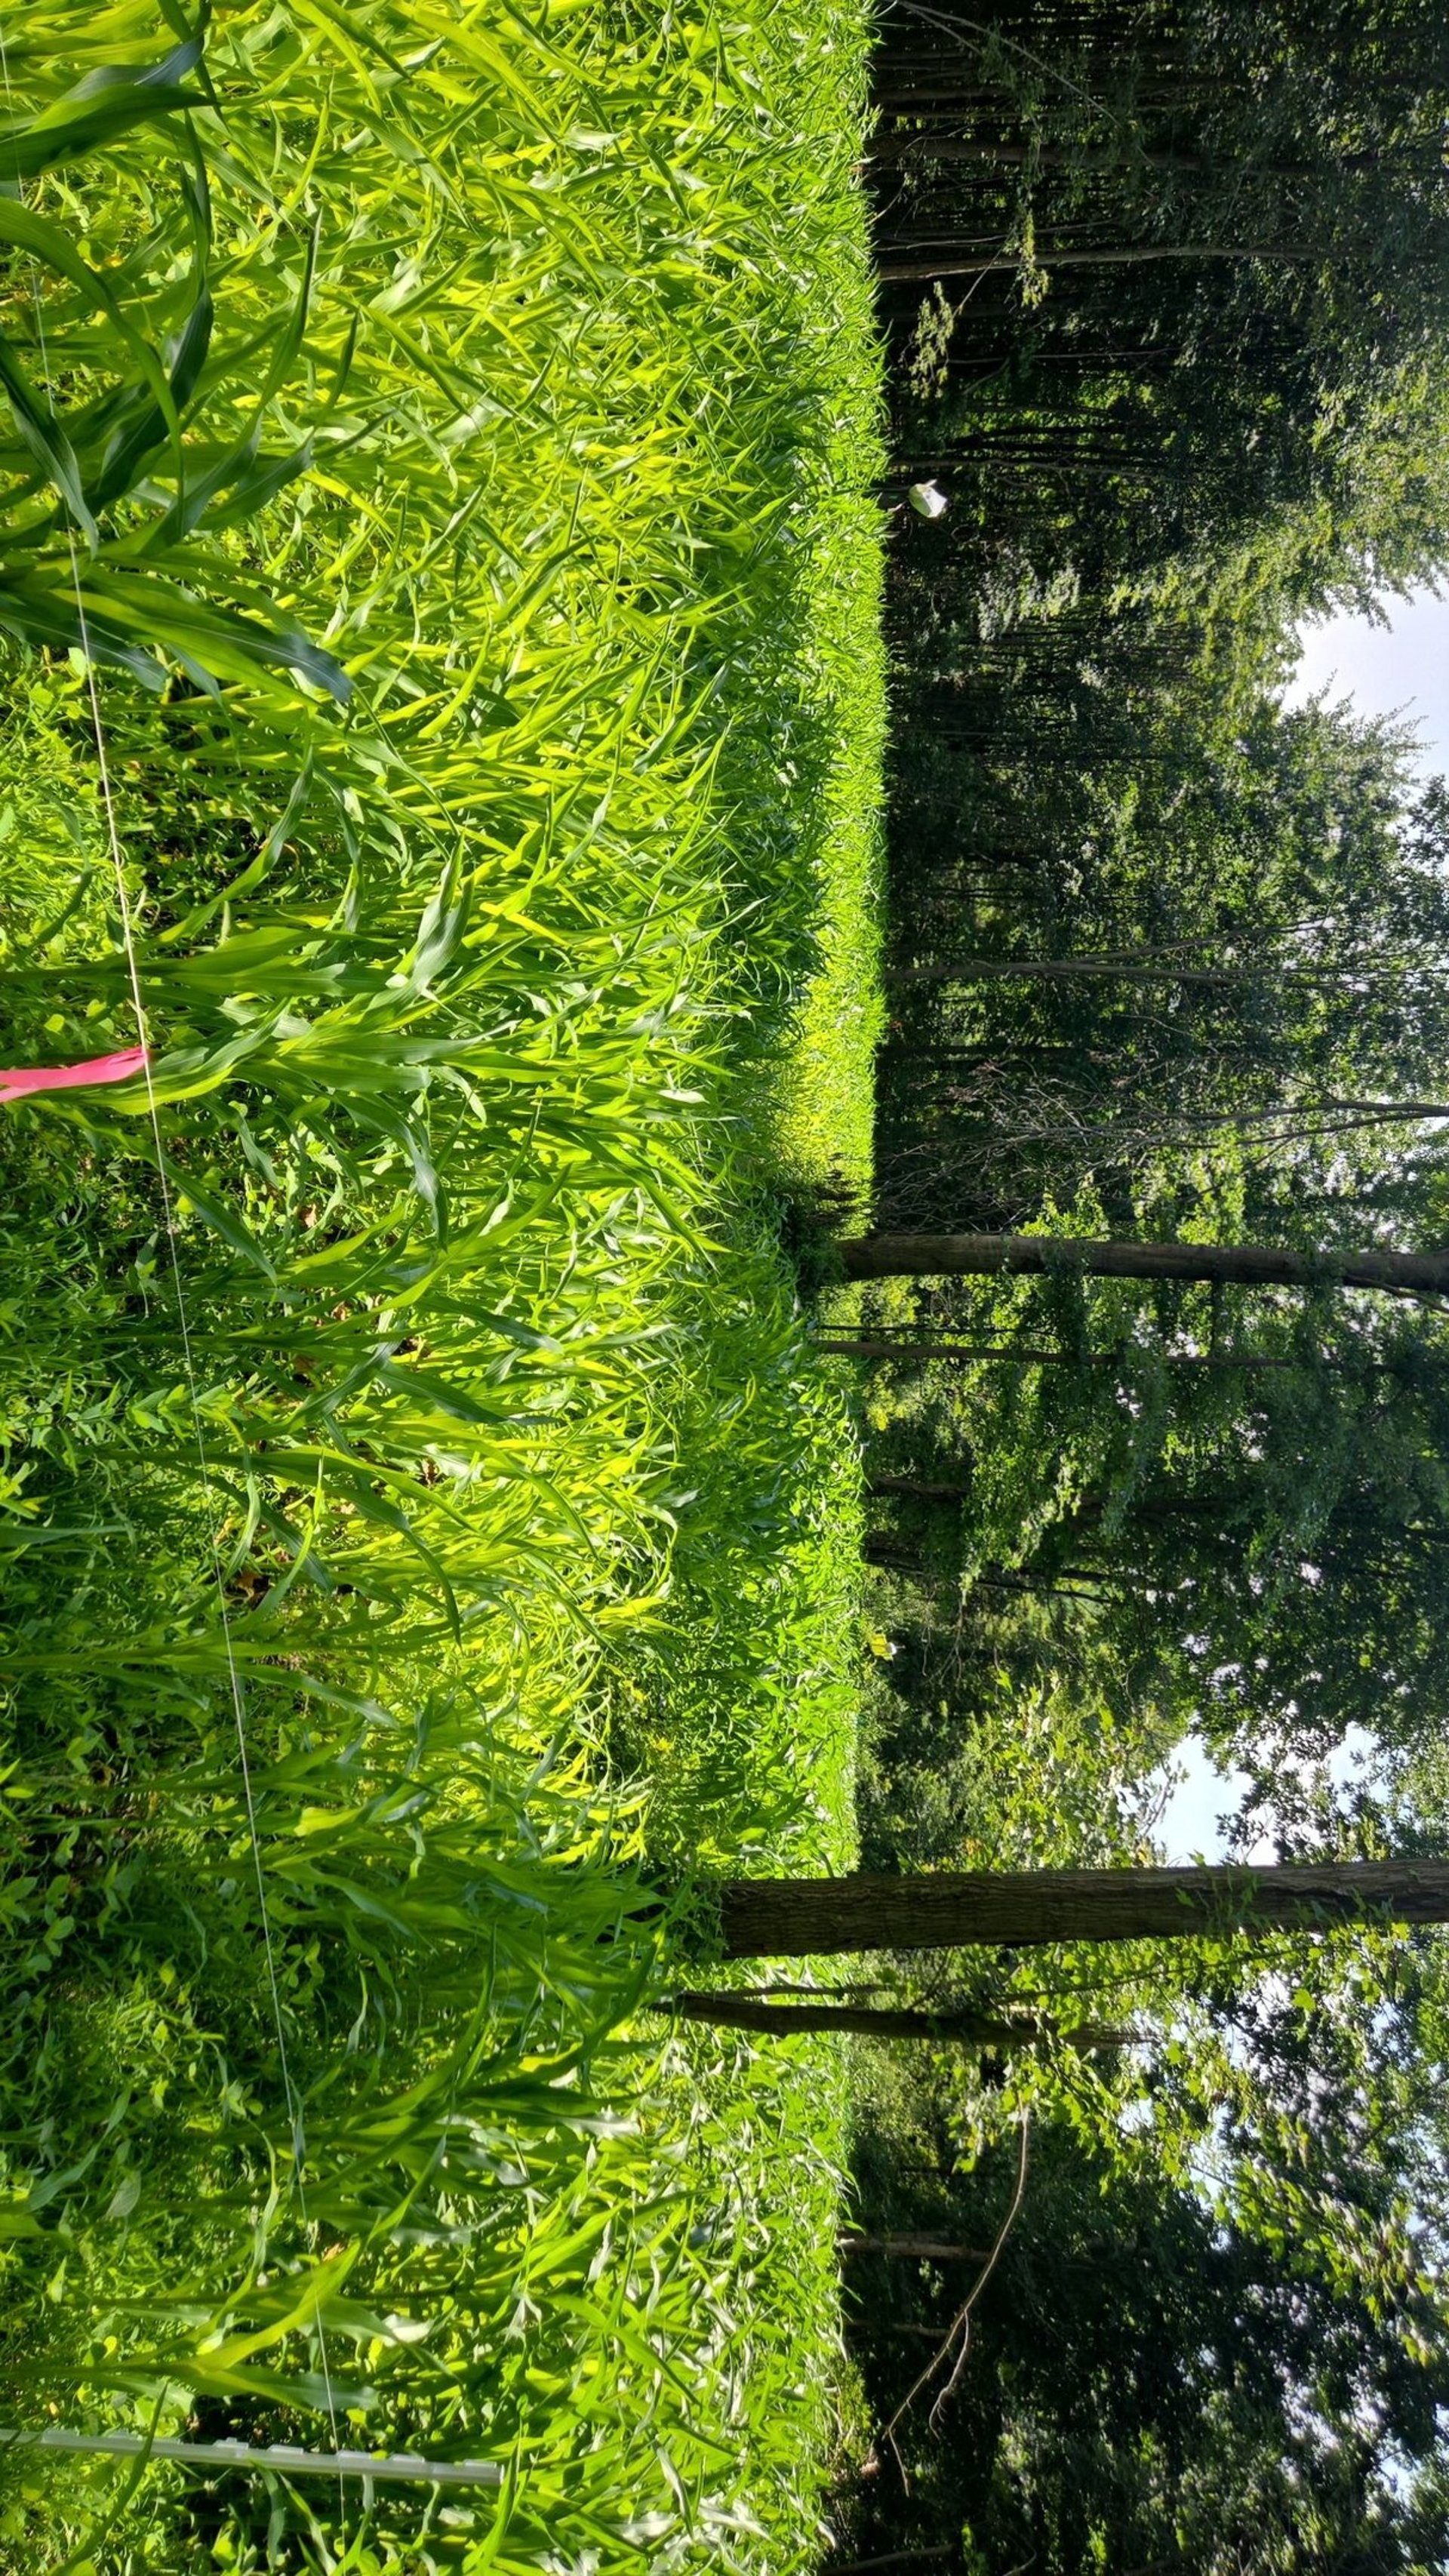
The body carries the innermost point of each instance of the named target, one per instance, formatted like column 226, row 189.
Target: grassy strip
column 823, row 1119
column 527, row 403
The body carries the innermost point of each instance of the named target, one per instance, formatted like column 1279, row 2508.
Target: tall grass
column 425, row 417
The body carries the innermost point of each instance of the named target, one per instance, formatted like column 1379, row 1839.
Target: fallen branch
column 956, row 2341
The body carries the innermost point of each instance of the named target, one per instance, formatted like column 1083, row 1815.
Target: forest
column 1150, row 1303
column 724, row 1203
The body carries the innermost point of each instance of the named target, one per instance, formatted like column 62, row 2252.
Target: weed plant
column 430, row 422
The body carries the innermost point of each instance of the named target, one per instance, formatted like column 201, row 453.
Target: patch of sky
column 1399, row 668
column 1200, row 1800
column 1199, row 1803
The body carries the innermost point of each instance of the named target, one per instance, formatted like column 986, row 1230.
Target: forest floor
column 534, row 1582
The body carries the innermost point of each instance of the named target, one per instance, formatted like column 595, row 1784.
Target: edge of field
column 823, row 1112
column 769, row 2120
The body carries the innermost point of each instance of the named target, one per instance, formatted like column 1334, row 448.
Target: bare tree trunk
column 1060, row 970
column 902, row 271
column 889, row 1554
column 1045, row 156
column 911, row 2249
column 1033, row 1355
column 862, row 1347
column 893, row 2557
column 915, row 1491
column 1118, row 970
column 734, row 2011
column 1248, row 1265
column 767, row 1918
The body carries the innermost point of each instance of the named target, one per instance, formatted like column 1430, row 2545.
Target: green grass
column 539, row 403
column 823, row 1124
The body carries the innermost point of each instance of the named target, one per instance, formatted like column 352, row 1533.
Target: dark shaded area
column 1135, row 2382
column 1165, row 292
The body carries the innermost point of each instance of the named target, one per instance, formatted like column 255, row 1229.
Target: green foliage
column 1184, row 1511
column 1274, row 992
column 739, row 1704
column 1164, row 961
column 820, row 1121
column 453, row 425
column 1153, row 2379
column 1193, row 342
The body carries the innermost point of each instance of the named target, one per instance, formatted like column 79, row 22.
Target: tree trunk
column 889, row 1554
column 903, row 271
column 1248, row 1265
column 734, row 2011
column 1045, row 156
column 1034, row 1355
column 912, row 2249
column 893, row 2557
column 863, row 1347
column 916, row 1492
column 766, row 1918
column 1127, row 970
column 1058, row 970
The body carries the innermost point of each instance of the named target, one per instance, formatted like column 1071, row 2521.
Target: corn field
column 426, row 426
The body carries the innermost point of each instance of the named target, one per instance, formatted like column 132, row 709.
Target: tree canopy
column 1167, row 302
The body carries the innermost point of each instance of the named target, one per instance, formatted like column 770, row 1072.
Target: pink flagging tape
column 19, row 1084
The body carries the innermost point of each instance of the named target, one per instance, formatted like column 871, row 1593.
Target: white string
column 285, row 2457
column 235, row 1683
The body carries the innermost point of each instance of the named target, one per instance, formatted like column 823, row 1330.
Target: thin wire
column 236, row 1687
